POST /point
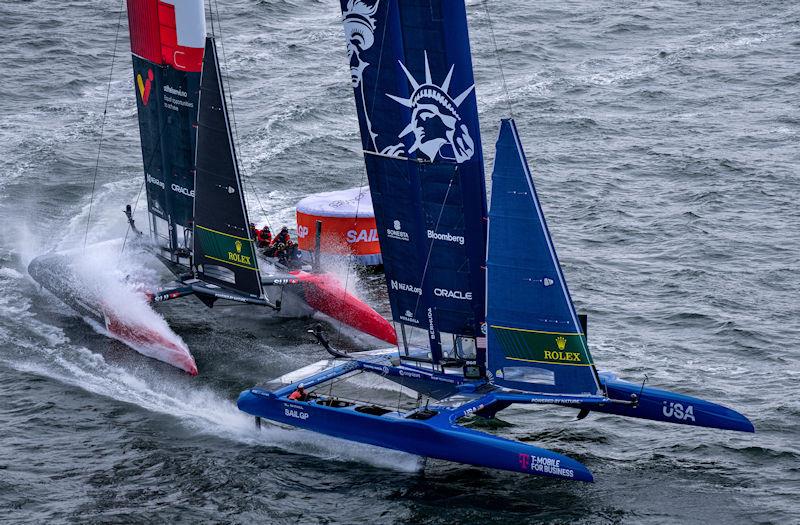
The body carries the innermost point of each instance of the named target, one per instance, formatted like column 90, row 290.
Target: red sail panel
column 144, row 28
column 164, row 33
column 182, row 34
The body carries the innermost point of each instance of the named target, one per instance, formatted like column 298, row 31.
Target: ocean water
column 663, row 138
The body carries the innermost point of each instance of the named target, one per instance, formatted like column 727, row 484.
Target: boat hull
column 669, row 407
column 435, row 438
column 56, row 274
column 323, row 292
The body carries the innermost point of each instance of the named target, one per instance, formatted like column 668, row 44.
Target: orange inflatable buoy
column 348, row 225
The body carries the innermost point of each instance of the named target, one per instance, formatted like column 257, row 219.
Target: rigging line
column 211, row 18
column 497, row 56
column 336, row 381
column 103, row 124
column 226, row 79
column 430, row 248
column 377, row 80
column 147, row 165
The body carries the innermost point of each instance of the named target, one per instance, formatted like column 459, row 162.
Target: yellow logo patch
column 145, row 85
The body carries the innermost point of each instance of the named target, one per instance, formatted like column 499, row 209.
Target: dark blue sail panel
column 422, row 225
column 167, row 106
column 167, row 46
column 150, row 123
column 411, row 71
column 412, row 77
column 535, row 340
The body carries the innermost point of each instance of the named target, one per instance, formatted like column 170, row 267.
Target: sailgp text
column 297, row 414
column 354, row 236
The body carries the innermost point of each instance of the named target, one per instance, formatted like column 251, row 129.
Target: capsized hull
column 436, row 437
column 57, row 274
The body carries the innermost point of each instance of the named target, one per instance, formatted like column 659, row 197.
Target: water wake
column 113, row 294
column 39, row 348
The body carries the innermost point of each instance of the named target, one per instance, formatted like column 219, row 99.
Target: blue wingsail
column 535, row 340
column 411, row 71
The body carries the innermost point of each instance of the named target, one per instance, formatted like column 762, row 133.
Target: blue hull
column 661, row 405
column 436, row 437
column 435, row 431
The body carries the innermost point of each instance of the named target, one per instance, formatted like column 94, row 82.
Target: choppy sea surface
column 664, row 143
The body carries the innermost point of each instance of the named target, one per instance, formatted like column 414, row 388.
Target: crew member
column 264, row 237
column 283, row 237
column 300, row 394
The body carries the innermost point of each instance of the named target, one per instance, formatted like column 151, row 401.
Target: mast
column 411, row 72
column 167, row 42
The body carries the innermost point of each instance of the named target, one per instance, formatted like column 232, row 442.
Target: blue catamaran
column 484, row 320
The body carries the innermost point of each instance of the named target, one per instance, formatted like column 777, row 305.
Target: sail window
column 184, row 237
column 528, row 374
column 458, row 347
column 465, row 348
column 219, row 273
column 160, row 229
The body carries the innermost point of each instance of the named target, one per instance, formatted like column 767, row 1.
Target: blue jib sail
column 535, row 340
column 411, row 72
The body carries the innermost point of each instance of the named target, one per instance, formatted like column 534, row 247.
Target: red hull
column 152, row 344
column 324, row 293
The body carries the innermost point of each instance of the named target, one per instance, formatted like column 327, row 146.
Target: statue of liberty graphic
column 437, row 127
column 359, row 29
